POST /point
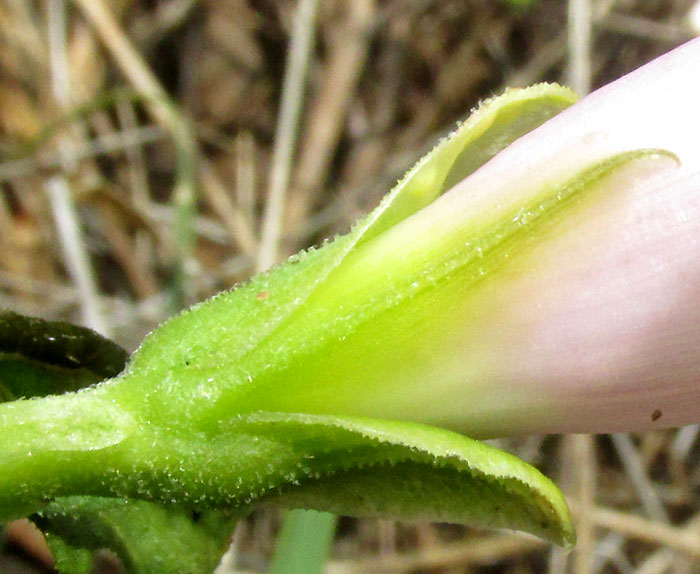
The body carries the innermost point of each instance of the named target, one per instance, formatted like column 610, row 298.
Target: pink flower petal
column 599, row 329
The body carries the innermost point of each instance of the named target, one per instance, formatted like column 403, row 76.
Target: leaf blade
column 408, row 471
column 39, row 357
column 148, row 538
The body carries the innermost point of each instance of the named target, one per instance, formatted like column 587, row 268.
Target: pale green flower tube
column 529, row 297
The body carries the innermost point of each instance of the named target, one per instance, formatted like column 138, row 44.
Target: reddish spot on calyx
column 656, row 415
column 262, row 295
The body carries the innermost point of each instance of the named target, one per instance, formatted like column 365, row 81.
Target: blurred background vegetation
column 154, row 152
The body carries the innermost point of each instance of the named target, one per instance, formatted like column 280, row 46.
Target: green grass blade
column 304, row 543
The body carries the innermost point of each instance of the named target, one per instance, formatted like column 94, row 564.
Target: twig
column 138, row 261
column 684, row 539
column 302, row 41
column 684, row 442
column 167, row 114
column 611, row 549
column 245, row 176
column 61, row 295
column 137, row 172
column 227, row 565
column 635, row 470
column 646, row 28
column 62, row 207
column 548, row 56
column 166, row 17
column 58, row 60
column 75, row 254
column 220, row 199
column 163, row 109
column 580, row 27
column 584, row 458
column 482, row 552
column 327, row 114
column 104, row 144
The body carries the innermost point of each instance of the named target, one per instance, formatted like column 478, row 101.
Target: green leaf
column 39, row 358
column 149, row 539
column 406, row 471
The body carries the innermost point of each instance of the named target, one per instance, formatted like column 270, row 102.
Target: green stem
column 89, row 444
column 54, row 443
